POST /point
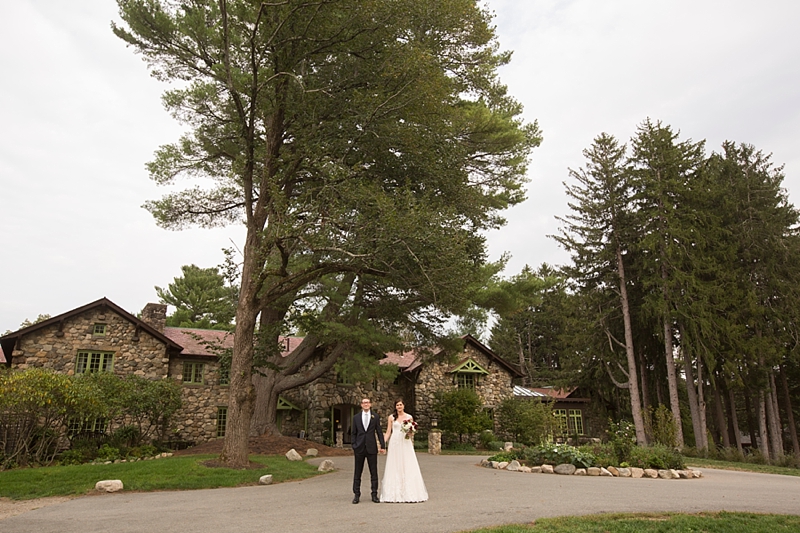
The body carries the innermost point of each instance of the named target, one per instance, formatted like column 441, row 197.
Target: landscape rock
column 592, row 471
column 265, row 480
column 292, row 455
column 637, row 472
column 507, row 446
column 649, row 472
column 501, row 465
column 486, row 463
column 326, row 466
column 624, row 472
column 547, row 469
column 580, row 472
column 605, row 473
column 685, row 474
column 668, row 474
column 565, row 469
column 536, row 470
column 613, row 470
column 312, row 452
column 697, row 473
column 525, row 469
column 513, row 466
column 109, row 485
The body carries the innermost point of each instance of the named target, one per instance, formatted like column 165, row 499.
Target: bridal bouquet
column 409, row 427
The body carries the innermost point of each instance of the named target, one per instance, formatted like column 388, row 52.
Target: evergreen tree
column 201, row 298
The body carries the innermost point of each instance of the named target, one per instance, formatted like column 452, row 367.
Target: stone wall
column 58, row 350
column 436, row 376
column 196, row 420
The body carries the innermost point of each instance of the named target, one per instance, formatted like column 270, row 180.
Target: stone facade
column 56, row 346
column 435, row 376
column 196, row 420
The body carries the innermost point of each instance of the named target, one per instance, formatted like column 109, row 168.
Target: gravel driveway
column 462, row 496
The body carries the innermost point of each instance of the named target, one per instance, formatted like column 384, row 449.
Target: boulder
column 312, row 452
column 697, row 473
column 514, row 466
column 525, row 469
column 668, row 474
column 326, row 466
column 564, row 469
column 292, row 455
column 265, row 480
column 605, row 473
column 613, row 470
column 592, row 471
column 624, row 472
column 507, row 446
column 109, row 485
column 536, row 470
column 547, row 469
column 685, row 474
column 501, row 465
column 649, row 472
column 637, row 472
column 580, row 472
column 486, row 462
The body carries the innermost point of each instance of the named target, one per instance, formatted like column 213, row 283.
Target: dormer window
column 467, row 374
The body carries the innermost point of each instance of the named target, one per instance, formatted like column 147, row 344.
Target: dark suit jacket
column 363, row 439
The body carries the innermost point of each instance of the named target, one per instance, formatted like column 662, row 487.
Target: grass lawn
column 170, row 473
column 660, row 523
column 743, row 467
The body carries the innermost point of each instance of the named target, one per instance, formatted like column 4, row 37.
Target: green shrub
column 526, row 420
column 461, row 447
column 126, row 437
column 461, row 413
column 657, row 456
column 604, row 454
column 486, row 438
column 504, row 457
column 555, row 454
column 108, row 453
column 420, row 444
column 660, row 425
column 622, row 437
column 495, row 446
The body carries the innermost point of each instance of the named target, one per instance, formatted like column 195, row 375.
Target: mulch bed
column 269, row 445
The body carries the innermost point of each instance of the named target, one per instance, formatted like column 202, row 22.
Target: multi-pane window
column 88, row 362
column 193, row 373
column 575, row 421
column 222, row 420
column 561, row 420
column 99, row 330
column 466, row 380
column 343, row 378
column 83, row 426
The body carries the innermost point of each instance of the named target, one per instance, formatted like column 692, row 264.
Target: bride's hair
column 394, row 413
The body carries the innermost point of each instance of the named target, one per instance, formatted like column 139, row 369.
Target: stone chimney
column 155, row 315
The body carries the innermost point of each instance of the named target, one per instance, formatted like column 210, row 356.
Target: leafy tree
column 527, row 421
column 364, row 145
column 460, row 412
column 201, row 298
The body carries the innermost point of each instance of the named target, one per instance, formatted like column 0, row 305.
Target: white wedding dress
column 402, row 480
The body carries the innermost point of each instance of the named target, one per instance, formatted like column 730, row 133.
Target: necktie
column 365, row 419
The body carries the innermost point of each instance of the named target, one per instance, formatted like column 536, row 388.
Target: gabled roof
column 206, row 342
column 492, row 356
column 102, row 302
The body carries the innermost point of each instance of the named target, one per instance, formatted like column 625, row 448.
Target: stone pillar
column 434, row 442
column 155, row 315
column 340, row 439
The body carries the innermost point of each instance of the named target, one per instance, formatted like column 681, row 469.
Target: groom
column 365, row 427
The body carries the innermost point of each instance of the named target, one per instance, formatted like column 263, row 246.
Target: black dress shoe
column 375, row 499
column 355, row 499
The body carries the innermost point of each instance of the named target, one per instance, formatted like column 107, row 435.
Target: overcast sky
column 80, row 116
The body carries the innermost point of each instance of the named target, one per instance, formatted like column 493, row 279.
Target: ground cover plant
column 657, row 523
column 171, row 473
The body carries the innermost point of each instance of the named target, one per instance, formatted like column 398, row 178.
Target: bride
column 402, row 480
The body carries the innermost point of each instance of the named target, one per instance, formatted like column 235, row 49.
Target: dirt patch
column 269, row 445
column 10, row 507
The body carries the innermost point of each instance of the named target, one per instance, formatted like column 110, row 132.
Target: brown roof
column 205, row 342
column 404, row 360
column 552, row 392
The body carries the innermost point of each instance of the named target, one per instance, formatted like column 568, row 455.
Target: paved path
column 463, row 496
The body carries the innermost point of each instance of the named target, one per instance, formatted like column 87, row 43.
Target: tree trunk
column 722, row 424
column 726, row 403
column 737, row 435
column 761, row 413
column 773, row 420
column 633, row 382
column 265, row 415
column 789, row 415
column 701, row 403
column 242, row 393
column 645, row 390
column 752, row 425
column 672, row 382
column 692, row 393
